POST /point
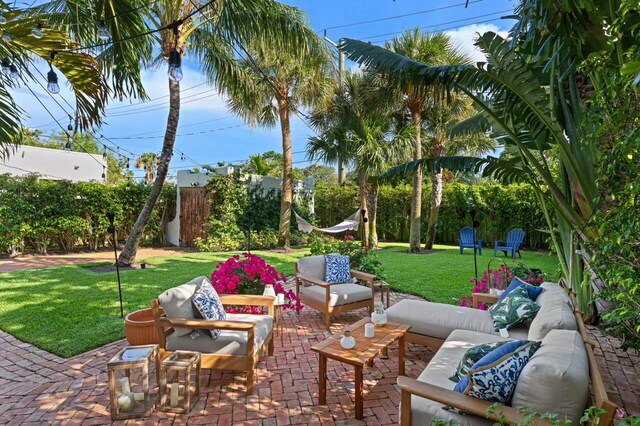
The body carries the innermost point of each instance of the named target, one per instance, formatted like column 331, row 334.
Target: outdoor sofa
column 242, row 336
column 555, row 380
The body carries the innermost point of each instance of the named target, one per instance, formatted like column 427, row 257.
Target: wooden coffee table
column 363, row 353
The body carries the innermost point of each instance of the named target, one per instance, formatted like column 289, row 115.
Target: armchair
column 242, row 338
column 468, row 240
column 315, row 292
column 515, row 238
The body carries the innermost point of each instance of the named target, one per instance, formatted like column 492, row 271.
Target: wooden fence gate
column 194, row 212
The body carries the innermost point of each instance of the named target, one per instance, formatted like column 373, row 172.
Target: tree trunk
column 373, row 216
column 364, row 222
column 342, row 173
column 416, row 198
column 436, row 197
column 128, row 254
column 284, row 231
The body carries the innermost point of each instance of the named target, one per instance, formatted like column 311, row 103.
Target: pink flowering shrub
column 482, row 285
column 249, row 275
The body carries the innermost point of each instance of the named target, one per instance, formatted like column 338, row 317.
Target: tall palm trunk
column 128, row 254
column 342, row 173
column 284, row 231
column 416, row 196
column 372, row 201
column 436, row 196
column 364, row 225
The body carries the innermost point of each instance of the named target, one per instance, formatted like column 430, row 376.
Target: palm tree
column 210, row 33
column 276, row 84
column 373, row 142
column 430, row 49
column 149, row 162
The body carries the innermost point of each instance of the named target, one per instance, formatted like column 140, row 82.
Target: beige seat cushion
column 437, row 373
column 176, row 302
column 313, row 267
column 341, row 294
column 556, row 378
column 230, row 341
column 439, row 319
column 555, row 312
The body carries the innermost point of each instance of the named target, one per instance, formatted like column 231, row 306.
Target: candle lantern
column 132, row 389
column 497, row 278
column 180, row 381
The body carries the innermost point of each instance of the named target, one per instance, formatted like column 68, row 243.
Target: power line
column 155, row 99
column 31, row 171
column 180, row 135
column 388, row 18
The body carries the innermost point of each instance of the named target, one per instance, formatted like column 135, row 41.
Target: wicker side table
column 132, row 395
column 179, row 395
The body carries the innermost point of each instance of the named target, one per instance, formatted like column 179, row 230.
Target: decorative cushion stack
column 472, row 356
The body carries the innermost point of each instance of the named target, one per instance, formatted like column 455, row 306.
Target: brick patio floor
column 37, row 387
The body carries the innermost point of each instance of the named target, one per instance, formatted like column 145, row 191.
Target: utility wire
column 180, row 135
column 388, row 18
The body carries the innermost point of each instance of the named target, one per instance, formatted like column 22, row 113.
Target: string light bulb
column 103, row 31
column 52, row 77
column 3, row 20
column 70, row 126
column 6, row 65
column 104, row 174
column 37, row 31
column 104, row 153
column 6, row 37
column 175, row 66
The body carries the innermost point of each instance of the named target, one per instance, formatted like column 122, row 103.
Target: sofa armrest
column 207, row 324
column 461, row 401
column 484, row 298
column 369, row 278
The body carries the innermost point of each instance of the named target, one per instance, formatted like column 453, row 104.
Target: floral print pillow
column 338, row 269
column 207, row 305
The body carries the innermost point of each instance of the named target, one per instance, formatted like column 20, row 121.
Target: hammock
column 352, row 222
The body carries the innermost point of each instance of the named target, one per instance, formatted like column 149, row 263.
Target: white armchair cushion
column 229, row 341
column 177, row 302
column 341, row 294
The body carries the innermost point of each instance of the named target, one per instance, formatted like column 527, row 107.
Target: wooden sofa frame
column 505, row 413
column 326, row 305
column 165, row 326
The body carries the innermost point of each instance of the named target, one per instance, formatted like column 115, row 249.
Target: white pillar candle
column 281, row 299
column 138, row 396
column 369, row 330
column 125, row 403
column 174, row 395
column 125, row 386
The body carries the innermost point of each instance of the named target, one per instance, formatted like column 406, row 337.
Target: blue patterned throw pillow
column 338, row 269
column 532, row 291
column 494, row 377
column 207, row 305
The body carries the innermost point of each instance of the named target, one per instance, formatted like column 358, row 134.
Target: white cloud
column 465, row 38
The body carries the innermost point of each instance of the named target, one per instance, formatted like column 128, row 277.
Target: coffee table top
column 366, row 347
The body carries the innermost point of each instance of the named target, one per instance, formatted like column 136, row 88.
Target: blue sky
column 209, row 134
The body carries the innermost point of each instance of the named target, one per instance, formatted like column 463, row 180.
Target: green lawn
column 68, row 310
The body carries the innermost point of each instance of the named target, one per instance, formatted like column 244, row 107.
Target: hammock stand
column 352, row 222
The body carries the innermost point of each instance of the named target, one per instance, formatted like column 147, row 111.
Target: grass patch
column 69, row 310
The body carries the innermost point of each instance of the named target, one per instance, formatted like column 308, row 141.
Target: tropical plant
column 211, row 33
column 149, row 163
column 274, row 85
column 425, row 105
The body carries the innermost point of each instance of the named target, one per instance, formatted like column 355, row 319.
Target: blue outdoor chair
column 468, row 240
column 515, row 238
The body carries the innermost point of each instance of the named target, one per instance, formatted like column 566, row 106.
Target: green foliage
column 41, row 214
column 499, row 207
column 362, row 259
column 236, row 207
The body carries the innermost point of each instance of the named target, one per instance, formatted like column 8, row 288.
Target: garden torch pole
column 112, row 230
column 474, row 225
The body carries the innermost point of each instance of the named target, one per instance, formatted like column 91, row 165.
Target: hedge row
column 38, row 215
column 499, row 208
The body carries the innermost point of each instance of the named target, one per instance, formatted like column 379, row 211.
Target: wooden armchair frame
column 165, row 326
column 479, row 407
column 325, row 306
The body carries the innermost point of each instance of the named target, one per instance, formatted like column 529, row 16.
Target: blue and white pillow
column 494, row 377
column 338, row 269
column 207, row 305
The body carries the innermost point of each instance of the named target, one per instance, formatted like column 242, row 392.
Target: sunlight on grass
column 68, row 310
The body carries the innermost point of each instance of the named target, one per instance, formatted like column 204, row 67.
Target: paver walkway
column 37, row 387
column 35, row 261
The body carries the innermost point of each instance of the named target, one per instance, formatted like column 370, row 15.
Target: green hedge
column 499, row 208
column 41, row 214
